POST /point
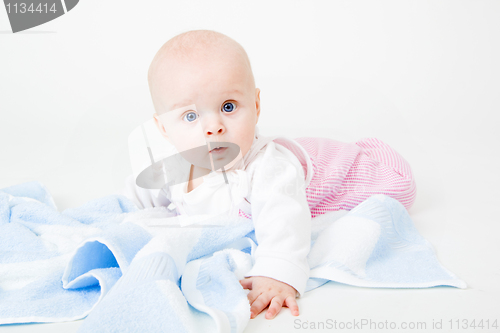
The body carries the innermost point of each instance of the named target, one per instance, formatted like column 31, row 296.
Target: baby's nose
column 213, row 124
column 220, row 130
column 215, row 127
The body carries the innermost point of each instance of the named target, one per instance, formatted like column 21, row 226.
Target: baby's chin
column 227, row 161
column 233, row 165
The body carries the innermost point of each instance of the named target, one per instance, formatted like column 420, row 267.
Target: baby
column 207, row 107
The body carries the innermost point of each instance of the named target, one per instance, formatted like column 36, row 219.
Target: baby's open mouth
column 218, row 149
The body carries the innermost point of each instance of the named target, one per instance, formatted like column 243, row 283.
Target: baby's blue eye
column 228, row 107
column 190, row 116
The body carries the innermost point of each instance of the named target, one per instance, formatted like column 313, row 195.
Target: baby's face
column 200, row 102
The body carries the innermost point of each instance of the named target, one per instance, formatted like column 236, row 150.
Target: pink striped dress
column 345, row 174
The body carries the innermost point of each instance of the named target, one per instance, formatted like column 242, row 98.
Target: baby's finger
column 291, row 303
column 252, row 295
column 274, row 307
column 259, row 304
column 246, row 283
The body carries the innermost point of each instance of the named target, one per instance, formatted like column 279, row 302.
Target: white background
column 423, row 76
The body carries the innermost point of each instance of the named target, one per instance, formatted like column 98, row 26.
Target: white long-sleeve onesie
column 271, row 188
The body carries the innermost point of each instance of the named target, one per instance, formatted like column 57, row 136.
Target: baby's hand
column 266, row 291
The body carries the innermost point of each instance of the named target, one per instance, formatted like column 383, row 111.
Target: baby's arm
column 282, row 221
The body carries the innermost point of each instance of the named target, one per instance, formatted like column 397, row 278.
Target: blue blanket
column 130, row 270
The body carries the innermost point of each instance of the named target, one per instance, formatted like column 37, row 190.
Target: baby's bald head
column 196, row 49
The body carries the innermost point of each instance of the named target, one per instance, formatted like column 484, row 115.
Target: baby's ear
column 257, row 101
column 160, row 126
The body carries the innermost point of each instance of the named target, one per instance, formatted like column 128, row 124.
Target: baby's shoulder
column 273, row 157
